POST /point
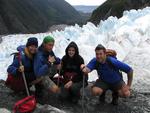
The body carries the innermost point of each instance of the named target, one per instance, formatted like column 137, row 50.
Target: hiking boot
column 115, row 98
column 102, row 97
column 74, row 100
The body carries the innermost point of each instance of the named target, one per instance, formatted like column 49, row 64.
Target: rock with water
column 3, row 110
column 138, row 102
column 47, row 109
column 8, row 99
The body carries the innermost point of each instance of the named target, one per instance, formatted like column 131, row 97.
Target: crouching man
column 45, row 65
column 109, row 74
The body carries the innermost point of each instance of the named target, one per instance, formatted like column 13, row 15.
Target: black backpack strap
column 111, row 65
column 97, row 65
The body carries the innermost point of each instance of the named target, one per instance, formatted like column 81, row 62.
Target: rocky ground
column 137, row 103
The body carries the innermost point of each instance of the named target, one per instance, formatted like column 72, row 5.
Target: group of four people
column 40, row 65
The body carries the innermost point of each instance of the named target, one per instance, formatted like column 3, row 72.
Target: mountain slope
column 116, row 8
column 85, row 9
column 31, row 16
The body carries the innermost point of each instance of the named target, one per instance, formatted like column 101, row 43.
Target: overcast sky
column 85, row 2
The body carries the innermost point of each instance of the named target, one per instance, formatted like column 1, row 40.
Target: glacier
column 128, row 35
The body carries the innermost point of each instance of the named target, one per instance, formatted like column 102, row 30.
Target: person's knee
column 55, row 89
column 125, row 93
column 96, row 91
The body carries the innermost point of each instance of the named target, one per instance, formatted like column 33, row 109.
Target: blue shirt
column 41, row 62
column 106, row 72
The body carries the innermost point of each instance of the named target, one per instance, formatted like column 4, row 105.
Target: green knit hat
column 48, row 39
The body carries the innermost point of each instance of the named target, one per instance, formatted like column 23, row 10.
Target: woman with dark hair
column 22, row 62
column 72, row 74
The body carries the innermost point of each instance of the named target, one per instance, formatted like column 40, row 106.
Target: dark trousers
column 72, row 92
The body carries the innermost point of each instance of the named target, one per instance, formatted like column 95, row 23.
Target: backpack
column 25, row 105
column 12, row 81
column 111, row 53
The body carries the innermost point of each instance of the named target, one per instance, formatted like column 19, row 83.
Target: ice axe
column 27, row 104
